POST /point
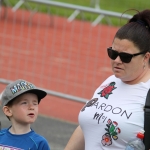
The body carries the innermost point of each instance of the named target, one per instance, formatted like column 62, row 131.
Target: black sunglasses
column 125, row 57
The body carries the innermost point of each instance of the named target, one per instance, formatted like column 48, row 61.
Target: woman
column 115, row 114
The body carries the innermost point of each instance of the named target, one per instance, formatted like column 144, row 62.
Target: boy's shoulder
column 40, row 140
column 33, row 135
column 3, row 131
column 37, row 136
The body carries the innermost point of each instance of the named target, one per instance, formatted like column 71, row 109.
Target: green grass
column 110, row 5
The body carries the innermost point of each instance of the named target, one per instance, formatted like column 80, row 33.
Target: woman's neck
column 144, row 77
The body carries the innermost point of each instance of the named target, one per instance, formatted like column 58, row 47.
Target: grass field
column 110, row 5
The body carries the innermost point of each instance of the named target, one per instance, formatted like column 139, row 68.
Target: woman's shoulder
column 110, row 79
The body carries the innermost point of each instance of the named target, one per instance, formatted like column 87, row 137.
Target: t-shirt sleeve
column 44, row 145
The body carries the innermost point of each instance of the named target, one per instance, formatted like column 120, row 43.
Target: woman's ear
column 147, row 56
column 7, row 111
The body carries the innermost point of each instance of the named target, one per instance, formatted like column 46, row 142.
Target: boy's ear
column 7, row 111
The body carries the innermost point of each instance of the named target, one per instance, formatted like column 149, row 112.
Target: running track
column 50, row 106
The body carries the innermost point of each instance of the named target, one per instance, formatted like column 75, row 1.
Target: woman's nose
column 118, row 59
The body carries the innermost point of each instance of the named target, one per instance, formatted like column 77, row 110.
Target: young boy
column 20, row 101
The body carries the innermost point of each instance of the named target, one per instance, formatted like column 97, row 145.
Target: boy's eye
column 35, row 103
column 24, row 103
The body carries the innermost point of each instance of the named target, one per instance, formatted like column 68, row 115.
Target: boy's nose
column 31, row 106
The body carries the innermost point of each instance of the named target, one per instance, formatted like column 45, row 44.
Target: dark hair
column 137, row 30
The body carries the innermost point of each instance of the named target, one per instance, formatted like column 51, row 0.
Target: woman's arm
column 76, row 141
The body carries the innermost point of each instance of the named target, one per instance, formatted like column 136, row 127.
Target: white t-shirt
column 114, row 115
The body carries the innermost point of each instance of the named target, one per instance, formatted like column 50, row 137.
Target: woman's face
column 131, row 71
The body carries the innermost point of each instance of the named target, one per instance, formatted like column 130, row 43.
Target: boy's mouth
column 31, row 114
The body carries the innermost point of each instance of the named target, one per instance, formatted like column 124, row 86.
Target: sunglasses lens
column 126, row 58
column 112, row 54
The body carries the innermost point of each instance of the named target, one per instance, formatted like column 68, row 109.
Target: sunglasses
column 125, row 57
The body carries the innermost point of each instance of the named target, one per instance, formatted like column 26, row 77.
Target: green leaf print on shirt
column 112, row 132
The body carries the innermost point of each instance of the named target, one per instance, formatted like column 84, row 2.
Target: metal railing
column 52, row 93
column 80, row 9
column 77, row 9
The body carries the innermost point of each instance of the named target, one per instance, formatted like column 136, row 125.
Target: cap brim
column 40, row 93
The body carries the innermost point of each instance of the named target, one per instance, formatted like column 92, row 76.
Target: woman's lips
column 117, row 69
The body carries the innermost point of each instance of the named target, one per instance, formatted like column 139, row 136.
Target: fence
column 66, row 62
column 68, row 59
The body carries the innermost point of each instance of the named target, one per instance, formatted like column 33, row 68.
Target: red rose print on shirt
column 107, row 90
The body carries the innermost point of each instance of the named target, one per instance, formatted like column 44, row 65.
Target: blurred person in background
column 115, row 113
column 19, row 102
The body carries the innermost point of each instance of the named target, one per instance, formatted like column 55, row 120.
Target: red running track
column 51, row 106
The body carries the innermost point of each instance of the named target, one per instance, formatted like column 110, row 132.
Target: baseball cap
column 19, row 87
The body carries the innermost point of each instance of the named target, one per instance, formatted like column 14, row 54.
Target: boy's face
column 24, row 109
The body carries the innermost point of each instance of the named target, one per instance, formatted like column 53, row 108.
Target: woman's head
column 137, row 30
column 130, row 51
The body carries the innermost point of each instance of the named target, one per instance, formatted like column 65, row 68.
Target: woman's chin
column 117, row 75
